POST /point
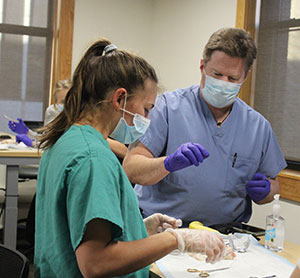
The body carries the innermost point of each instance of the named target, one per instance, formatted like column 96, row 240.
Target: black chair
column 26, row 226
column 13, row 264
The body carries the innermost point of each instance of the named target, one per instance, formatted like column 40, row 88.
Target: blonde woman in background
column 60, row 91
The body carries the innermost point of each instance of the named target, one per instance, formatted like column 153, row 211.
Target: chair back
column 13, row 264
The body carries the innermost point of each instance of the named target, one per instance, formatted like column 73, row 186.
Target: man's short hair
column 234, row 42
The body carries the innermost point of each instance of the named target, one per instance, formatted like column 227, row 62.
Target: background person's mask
column 60, row 107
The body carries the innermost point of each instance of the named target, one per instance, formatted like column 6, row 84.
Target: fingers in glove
column 168, row 219
column 160, row 229
column 178, row 223
column 210, row 255
column 204, row 152
column 258, row 183
column 171, row 222
column 259, row 176
column 215, row 249
column 11, row 124
column 195, row 153
column 188, row 153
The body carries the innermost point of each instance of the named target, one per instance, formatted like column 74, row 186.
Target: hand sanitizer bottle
column 274, row 238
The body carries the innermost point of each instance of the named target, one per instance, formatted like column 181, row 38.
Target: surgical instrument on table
column 271, row 276
column 205, row 273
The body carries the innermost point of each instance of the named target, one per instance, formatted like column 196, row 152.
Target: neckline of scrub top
column 94, row 131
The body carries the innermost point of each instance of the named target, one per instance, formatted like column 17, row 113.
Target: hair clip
column 108, row 48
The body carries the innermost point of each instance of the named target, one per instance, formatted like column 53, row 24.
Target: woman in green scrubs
column 87, row 215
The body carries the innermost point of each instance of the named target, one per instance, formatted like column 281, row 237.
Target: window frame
column 245, row 18
column 62, row 42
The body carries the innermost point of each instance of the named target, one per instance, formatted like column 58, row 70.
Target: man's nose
column 224, row 78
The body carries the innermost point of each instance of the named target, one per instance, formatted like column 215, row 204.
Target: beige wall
column 171, row 35
column 127, row 23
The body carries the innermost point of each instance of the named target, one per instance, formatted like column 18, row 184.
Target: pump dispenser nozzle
column 276, row 207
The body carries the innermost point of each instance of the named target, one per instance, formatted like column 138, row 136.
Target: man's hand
column 259, row 187
column 186, row 155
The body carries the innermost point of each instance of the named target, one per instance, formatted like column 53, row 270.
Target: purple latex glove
column 25, row 139
column 19, row 128
column 259, row 187
column 186, row 155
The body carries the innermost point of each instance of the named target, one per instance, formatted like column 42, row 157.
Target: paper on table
column 257, row 261
column 20, row 146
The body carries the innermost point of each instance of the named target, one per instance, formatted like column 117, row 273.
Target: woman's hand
column 158, row 222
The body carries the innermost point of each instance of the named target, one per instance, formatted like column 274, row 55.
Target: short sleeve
column 273, row 160
column 93, row 192
column 156, row 135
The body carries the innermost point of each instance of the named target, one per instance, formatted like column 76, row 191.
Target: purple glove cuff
column 166, row 163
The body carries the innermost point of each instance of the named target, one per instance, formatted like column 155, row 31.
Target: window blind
column 26, row 32
column 277, row 79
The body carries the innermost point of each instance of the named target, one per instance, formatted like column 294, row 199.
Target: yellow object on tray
column 198, row 225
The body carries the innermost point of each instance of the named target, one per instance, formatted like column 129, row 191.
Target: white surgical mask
column 127, row 134
column 219, row 93
column 60, row 107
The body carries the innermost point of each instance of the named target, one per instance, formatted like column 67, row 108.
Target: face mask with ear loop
column 127, row 134
column 219, row 93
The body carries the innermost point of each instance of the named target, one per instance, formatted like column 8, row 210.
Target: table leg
column 11, row 206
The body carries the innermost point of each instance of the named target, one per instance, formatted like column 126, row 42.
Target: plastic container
column 275, row 226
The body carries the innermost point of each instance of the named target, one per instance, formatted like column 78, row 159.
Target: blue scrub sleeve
column 272, row 161
column 93, row 192
column 156, row 135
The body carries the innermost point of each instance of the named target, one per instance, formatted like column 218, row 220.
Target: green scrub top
column 80, row 179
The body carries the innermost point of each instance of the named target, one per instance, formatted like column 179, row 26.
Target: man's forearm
column 144, row 170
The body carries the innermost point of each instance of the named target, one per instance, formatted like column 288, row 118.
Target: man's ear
column 118, row 98
column 201, row 65
column 247, row 74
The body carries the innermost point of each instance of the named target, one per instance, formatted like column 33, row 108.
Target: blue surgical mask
column 127, row 134
column 219, row 93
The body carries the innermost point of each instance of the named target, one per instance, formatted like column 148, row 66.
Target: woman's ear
column 119, row 98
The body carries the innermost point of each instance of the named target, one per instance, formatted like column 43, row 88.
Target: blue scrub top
column 214, row 192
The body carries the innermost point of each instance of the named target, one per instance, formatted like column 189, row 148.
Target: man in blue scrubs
column 207, row 154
